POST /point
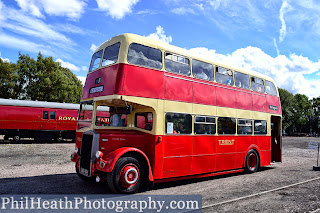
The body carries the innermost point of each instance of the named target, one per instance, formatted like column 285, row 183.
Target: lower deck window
column 178, row 123
column 204, row 125
column 144, row 120
column 226, row 126
column 244, row 127
column 260, row 127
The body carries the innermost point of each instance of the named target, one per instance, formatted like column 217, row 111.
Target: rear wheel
column 16, row 138
column 252, row 161
column 127, row 176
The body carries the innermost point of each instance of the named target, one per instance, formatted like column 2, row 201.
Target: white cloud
column 284, row 8
column 71, row 8
column 82, row 79
column 115, row 8
column 25, row 25
column 159, row 35
column 182, row 11
column 68, row 65
column 25, row 45
column 1, row 16
column 93, row 47
column 84, row 68
column 286, row 71
column 4, row 59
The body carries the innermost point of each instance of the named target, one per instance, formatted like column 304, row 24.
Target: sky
column 279, row 38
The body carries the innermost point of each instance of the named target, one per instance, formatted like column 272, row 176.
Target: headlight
column 99, row 154
column 76, row 150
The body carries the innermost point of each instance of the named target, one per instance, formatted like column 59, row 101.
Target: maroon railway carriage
column 37, row 119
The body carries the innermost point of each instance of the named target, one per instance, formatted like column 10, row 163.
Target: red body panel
column 124, row 79
column 31, row 118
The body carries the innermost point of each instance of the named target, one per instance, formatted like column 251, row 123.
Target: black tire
column 252, row 161
column 127, row 169
column 87, row 179
column 16, row 138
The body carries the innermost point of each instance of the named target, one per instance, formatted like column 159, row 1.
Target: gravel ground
column 47, row 169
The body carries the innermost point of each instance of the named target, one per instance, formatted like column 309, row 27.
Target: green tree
column 45, row 80
column 287, row 106
column 315, row 120
column 8, row 79
column 303, row 113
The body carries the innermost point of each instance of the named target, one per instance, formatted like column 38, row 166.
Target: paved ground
column 292, row 186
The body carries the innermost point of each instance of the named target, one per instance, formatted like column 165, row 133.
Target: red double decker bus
column 172, row 116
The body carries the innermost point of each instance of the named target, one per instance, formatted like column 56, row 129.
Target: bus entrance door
column 276, row 139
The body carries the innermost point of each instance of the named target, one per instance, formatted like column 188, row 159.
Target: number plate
column 84, row 172
column 96, row 89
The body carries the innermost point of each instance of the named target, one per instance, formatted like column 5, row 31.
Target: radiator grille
column 86, row 150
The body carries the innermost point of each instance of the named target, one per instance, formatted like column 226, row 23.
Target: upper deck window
column 95, row 61
column 202, row 70
column 257, row 84
column 145, row 56
column 242, row 80
column 270, row 88
column 111, row 54
column 177, row 64
column 224, row 76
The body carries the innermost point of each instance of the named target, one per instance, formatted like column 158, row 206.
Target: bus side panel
column 203, row 159
column 243, row 100
column 264, row 144
column 225, row 154
column 177, row 156
column 201, row 97
column 242, row 146
column 177, row 89
column 143, row 82
column 274, row 101
column 225, row 97
column 259, row 102
column 158, row 161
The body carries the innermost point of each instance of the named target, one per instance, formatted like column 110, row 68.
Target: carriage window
column 260, row 127
column 257, row 84
column 226, row 126
column 111, row 54
column 145, row 56
column 52, row 115
column 95, row 61
column 204, row 125
column 45, row 115
column 177, row 64
column 144, row 120
column 202, row 70
column 242, row 80
column 224, row 76
column 270, row 88
column 244, row 127
column 178, row 123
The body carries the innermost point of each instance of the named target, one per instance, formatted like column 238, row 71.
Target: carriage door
column 276, row 139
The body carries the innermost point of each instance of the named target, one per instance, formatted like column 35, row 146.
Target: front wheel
column 252, row 161
column 126, row 176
